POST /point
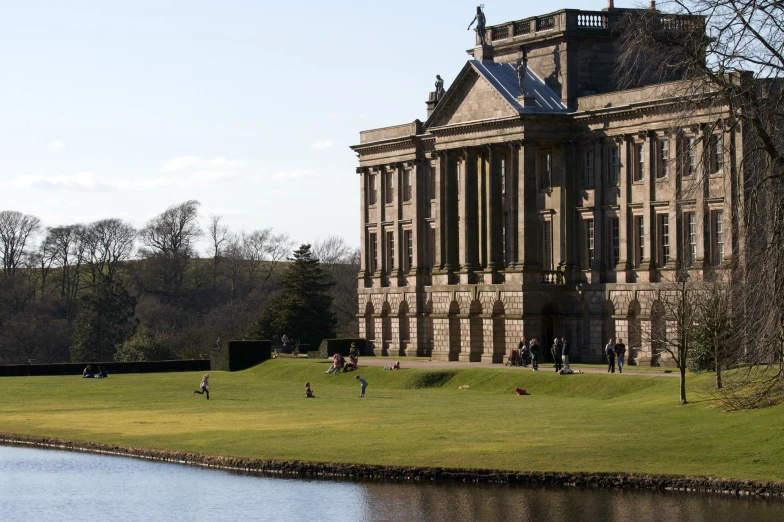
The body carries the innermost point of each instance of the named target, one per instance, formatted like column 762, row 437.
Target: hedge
column 330, row 347
column 21, row 370
column 240, row 355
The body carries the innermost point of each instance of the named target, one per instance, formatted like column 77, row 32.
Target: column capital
column 360, row 170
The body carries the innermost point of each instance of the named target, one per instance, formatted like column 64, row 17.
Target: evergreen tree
column 303, row 309
column 105, row 319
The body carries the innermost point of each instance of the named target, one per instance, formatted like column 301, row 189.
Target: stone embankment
column 294, row 468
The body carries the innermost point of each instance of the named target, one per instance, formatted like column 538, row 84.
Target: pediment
column 470, row 98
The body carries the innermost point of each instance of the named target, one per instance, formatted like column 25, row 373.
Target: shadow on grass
column 434, row 379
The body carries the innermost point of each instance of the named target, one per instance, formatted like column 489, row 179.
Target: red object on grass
column 520, row 391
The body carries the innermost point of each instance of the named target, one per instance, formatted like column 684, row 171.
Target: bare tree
column 168, row 242
column 219, row 235
column 341, row 264
column 729, row 57
column 16, row 232
column 110, row 242
column 252, row 258
column 68, row 249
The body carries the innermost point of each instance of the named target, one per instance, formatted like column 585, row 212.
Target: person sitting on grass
column 308, row 392
column 351, row 365
column 101, row 373
column 87, row 373
column 205, row 386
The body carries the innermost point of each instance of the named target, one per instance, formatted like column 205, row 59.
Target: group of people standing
column 615, row 351
column 531, row 352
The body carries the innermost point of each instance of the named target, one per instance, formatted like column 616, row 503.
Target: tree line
column 105, row 290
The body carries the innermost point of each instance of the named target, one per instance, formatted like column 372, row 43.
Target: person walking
column 362, row 385
column 620, row 354
column 555, row 351
column 205, row 386
column 535, row 352
column 565, row 353
column 609, row 350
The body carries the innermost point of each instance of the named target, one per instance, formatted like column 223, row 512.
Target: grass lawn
column 591, row 422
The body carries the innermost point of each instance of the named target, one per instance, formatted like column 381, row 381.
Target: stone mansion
column 552, row 208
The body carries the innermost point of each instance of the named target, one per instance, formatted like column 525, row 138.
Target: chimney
column 653, row 4
column 610, row 4
column 431, row 103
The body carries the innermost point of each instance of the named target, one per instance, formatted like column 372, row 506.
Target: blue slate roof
column 503, row 78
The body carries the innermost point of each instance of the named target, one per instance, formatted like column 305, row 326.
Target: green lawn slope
column 592, row 422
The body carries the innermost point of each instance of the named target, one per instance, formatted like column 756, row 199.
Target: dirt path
column 546, row 367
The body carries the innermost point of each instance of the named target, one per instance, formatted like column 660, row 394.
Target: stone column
column 558, row 225
column 468, row 215
column 603, row 166
column 512, row 176
column 396, row 270
column 647, row 265
column 701, row 187
column 439, row 172
column 363, row 218
column 526, row 217
column 673, row 211
column 450, row 218
column 417, row 211
column 494, row 244
column 623, row 269
column 570, row 218
column 481, row 207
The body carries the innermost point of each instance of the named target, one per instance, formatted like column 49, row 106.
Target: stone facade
column 497, row 218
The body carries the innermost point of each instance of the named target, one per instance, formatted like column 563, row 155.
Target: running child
column 205, row 386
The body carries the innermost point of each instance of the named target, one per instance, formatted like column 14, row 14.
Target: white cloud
column 321, row 145
column 295, row 174
column 57, row 144
column 195, row 162
column 80, row 181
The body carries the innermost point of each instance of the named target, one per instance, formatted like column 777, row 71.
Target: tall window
column 547, row 245
column 663, row 233
column 547, row 171
column 615, row 165
column 691, row 151
column 639, row 167
column 589, row 243
column 690, row 232
column 716, row 153
column 663, row 167
column 718, row 236
column 503, row 176
column 615, row 242
column 407, row 185
column 588, row 166
column 390, row 186
column 390, row 251
column 373, row 252
column 373, row 189
column 639, row 240
column 408, row 242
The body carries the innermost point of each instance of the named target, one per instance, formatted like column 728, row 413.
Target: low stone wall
column 27, row 370
column 297, row 468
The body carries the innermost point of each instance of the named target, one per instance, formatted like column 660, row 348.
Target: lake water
column 48, row 485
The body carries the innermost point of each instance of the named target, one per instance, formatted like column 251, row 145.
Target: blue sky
column 120, row 109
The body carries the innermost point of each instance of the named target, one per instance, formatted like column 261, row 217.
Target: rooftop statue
column 480, row 24
column 439, row 87
column 522, row 68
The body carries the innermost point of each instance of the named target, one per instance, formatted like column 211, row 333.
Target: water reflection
column 52, row 485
